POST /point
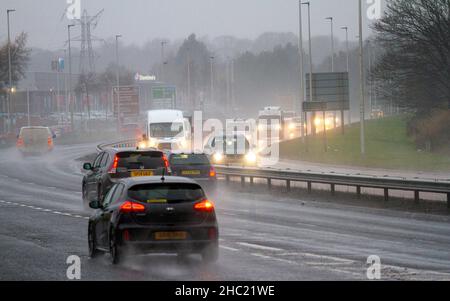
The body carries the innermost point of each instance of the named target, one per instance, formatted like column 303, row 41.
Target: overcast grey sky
column 142, row 20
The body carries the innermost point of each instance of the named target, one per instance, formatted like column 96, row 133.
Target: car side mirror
column 95, row 205
column 87, row 166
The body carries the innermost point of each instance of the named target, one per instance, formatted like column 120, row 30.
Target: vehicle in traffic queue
column 231, row 150
column 154, row 215
column 35, row 140
column 113, row 164
column 192, row 165
column 130, row 131
column 167, row 130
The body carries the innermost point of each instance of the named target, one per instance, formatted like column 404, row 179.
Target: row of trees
column 414, row 70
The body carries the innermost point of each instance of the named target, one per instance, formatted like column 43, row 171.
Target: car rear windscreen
column 169, row 193
column 140, row 160
column 35, row 135
column 189, row 159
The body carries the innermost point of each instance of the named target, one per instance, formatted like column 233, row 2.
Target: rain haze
column 141, row 20
column 203, row 140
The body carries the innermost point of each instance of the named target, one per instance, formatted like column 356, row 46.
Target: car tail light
column 212, row 233
column 126, row 235
column 132, row 207
column 49, row 141
column 212, row 172
column 204, row 206
column 20, row 142
column 113, row 168
column 166, row 162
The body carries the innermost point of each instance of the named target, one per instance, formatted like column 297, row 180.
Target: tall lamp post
column 348, row 71
column 310, row 60
column 10, row 91
column 302, row 72
column 118, row 80
column 163, row 43
column 332, row 42
column 362, row 91
column 71, row 104
column 212, row 79
column 332, row 62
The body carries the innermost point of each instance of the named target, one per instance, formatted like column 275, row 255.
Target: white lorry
column 167, row 130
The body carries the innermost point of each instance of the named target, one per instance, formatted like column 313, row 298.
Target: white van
column 168, row 130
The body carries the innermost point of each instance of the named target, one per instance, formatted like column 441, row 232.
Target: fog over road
column 263, row 236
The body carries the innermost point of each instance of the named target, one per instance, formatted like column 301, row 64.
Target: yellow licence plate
column 190, row 172
column 170, row 235
column 142, row 173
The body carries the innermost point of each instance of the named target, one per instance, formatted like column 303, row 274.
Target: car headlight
column 142, row 144
column 183, row 143
column 152, row 143
column 218, row 157
column 250, row 157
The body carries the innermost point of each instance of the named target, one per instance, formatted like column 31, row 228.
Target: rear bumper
column 170, row 247
column 141, row 239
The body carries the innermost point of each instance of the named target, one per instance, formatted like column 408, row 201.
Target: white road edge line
column 229, row 248
column 260, row 247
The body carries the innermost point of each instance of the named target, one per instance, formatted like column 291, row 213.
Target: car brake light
column 204, row 206
column 212, row 233
column 212, row 172
column 49, row 141
column 113, row 168
column 132, row 207
column 126, row 235
column 20, row 142
column 166, row 162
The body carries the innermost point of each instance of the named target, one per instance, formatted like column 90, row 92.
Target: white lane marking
column 346, row 272
column 45, row 210
column 273, row 258
column 229, row 248
column 227, row 214
column 327, row 263
column 260, row 247
column 327, row 257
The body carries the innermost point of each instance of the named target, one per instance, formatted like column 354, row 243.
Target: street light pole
column 310, row 66
column 332, row 59
column 212, row 79
column 348, row 72
column 162, row 59
column 332, row 42
column 302, row 72
column 8, row 11
column 346, row 47
column 71, row 104
column 118, row 80
column 361, row 74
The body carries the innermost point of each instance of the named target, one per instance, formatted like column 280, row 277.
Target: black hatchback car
column 111, row 165
column 194, row 166
column 154, row 215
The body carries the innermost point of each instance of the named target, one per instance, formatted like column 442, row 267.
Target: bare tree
column 414, row 70
column 19, row 59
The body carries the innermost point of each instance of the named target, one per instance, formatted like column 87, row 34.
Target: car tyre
column 114, row 249
column 210, row 254
column 99, row 193
column 93, row 252
column 85, row 197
